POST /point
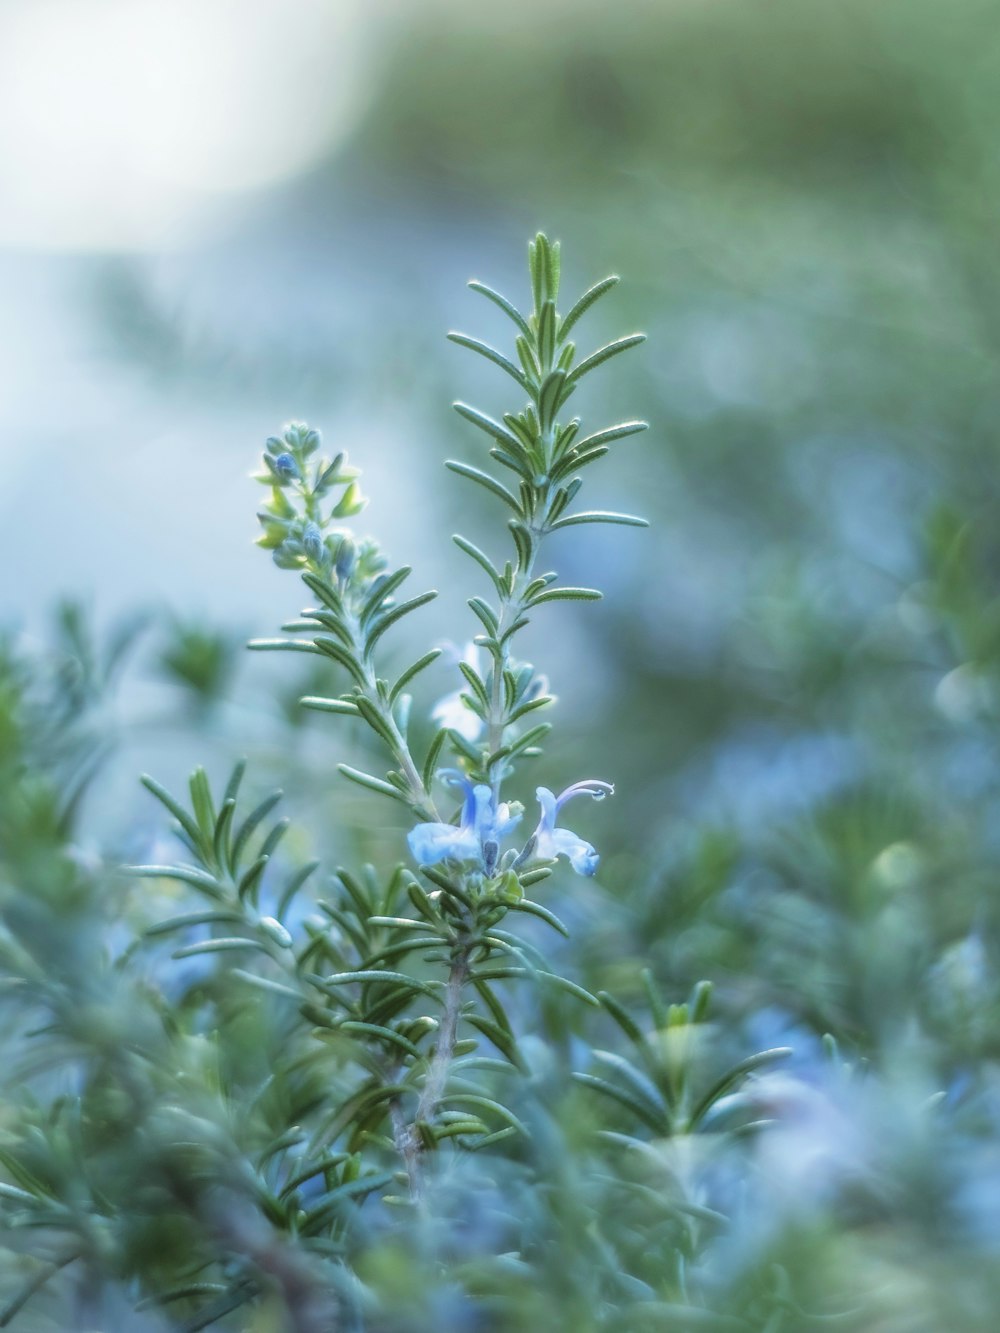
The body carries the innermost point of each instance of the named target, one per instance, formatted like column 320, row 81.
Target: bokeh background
column 218, row 216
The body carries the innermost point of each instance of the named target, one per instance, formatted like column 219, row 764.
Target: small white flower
column 452, row 711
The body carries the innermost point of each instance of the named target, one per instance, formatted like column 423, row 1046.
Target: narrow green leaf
column 326, row 592
column 203, row 806
column 189, row 919
column 591, row 295
column 198, row 879
column 619, row 432
column 179, row 1294
column 389, row 618
column 604, row 354
column 251, row 823
column 527, row 358
column 501, row 1038
column 486, row 1104
column 467, row 1125
column 484, row 479
column 480, row 558
column 529, row 707
column 372, row 783
column 411, row 672
column 477, row 1145
column 392, row 952
column 329, row 1204
column 26, row 1179
column 222, row 945
column 491, row 354
column 177, row 810
column 318, row 704
column 266, row 984
column 314, row 1169
column 567, row 595
column 282, row 645
column 375, row 720
column 327, row 620
column 640, row 1084
column 379, row 976
column 546, row 340
column 531, row 737
column 220, row 837
column 622, row 1017
column 536, row 272
column 383, row 1034
column 543, row 914
column 657, row 1123
column 511, row 630
column 550, row 397
column 249, row 881
column 476, row 685
column 331, row 648
column 488, row 425
column 233, row 785
column 574, row 462
column 398, row 922
column 530, row 877
column 487, row 616
column 384, row 586
column 433, row 754
column 523, row 541
column 505, row 973
column 599, row 516
column 504, row 305
column 296, row 881
column 523, row 470
column 734, row 1075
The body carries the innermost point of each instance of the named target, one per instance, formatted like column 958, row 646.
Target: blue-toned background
column 215, row 217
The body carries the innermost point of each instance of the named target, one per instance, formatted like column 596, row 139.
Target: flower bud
column 312, row 543
column 491, row 850
column 345, row 558
column 287, row 468
column 289, row 554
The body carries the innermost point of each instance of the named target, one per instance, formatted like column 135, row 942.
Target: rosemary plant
column 339, row 1059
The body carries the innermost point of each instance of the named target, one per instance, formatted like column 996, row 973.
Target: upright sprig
column 357, row 601
column 545, row 453
column 473, row 881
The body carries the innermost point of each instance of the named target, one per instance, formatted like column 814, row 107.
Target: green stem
column 401, row 751
column 406, row 1137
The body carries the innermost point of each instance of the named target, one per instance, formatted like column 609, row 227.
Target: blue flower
column 476, row 837
column 551, row 842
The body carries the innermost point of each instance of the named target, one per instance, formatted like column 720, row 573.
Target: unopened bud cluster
column 300, row 525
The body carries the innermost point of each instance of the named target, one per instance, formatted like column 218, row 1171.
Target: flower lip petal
column 552, row 842
column 430, row 843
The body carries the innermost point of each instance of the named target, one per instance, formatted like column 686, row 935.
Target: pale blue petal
column 505, row 821
column 547, row 801
column 562, row 842
column 430, row 843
